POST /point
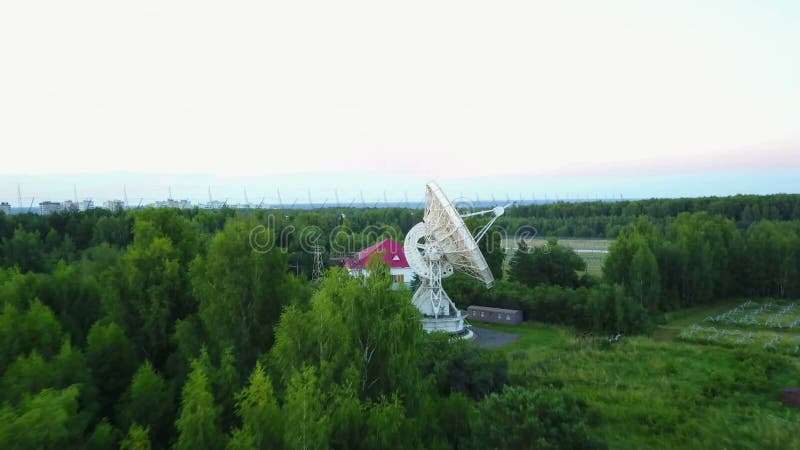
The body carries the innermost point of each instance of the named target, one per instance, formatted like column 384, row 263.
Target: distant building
column 69, row 205
column 48, row 207
column 114, row 205
column 172, row 203
column 214, row 204
column 5, row 208
column 393, row 255
column 494, row 315
column 85, row 205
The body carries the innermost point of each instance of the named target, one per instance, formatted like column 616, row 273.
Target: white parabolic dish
column 436, row 247
column 454, row 238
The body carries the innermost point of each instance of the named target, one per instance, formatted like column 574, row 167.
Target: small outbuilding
column 494, row 315
column 791, row 396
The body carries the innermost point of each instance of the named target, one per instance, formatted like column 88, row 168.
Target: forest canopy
column 162, row 328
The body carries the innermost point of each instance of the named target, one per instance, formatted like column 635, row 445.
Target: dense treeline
column 177, row 329
column 699, row 258
column 607, row 219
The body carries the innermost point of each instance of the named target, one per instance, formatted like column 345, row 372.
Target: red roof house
column 392, row 251
column 393, row 255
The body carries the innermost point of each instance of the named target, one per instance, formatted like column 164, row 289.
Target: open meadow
column 679, row 387
column 593, row 251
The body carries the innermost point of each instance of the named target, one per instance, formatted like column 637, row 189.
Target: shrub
column 520, row 418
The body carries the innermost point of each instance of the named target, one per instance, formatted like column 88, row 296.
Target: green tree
column 304, row 410
column 262, row 421
column 645, row 278
column 547, row 264
column 149, row 289
column 48, row 420
column 22, row 331
column 31, row 373
column 149, row 403
column 387, row 427
column 137, row 439
column 113, row 230
column 104, row 437
column 24, row 250
column 74, row 297
column 460, row 366
column 357, row 332
column 612, row 310
column 616, row 267
column 112, row 361
column 521, row 262
column 773, row 251
column 241, row 292
column 241, row 440
column 519, row 418
column 197, row 422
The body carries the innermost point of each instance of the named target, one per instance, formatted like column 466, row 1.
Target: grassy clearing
column 575, row 244
column 584, row 247
column 594, row 262
column 662, row 393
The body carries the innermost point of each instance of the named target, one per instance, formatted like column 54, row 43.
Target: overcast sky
column 516, row 97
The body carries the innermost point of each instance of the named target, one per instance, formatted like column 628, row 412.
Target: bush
column 520, row 418
column 461, row 366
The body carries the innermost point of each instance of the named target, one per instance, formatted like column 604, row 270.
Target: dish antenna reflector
column 438, row 246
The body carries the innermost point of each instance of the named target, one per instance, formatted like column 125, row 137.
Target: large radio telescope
column 438, row 246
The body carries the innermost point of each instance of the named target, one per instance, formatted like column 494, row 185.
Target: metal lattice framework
column 438, row 246
column 318, row 269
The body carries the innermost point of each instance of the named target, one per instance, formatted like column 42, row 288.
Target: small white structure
column 437, row 246
column 393, row 255
column 5, row 207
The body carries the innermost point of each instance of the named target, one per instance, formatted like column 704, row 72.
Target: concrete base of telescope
column 453, row 325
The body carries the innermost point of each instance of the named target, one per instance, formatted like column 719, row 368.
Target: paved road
column 491, row 339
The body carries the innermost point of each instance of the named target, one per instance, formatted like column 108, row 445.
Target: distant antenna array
column 360, row 199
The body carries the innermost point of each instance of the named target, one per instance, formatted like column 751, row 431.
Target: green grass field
column 664, row 393
column 588, row 249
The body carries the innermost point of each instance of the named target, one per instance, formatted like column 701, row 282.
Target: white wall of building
column 405, row 274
